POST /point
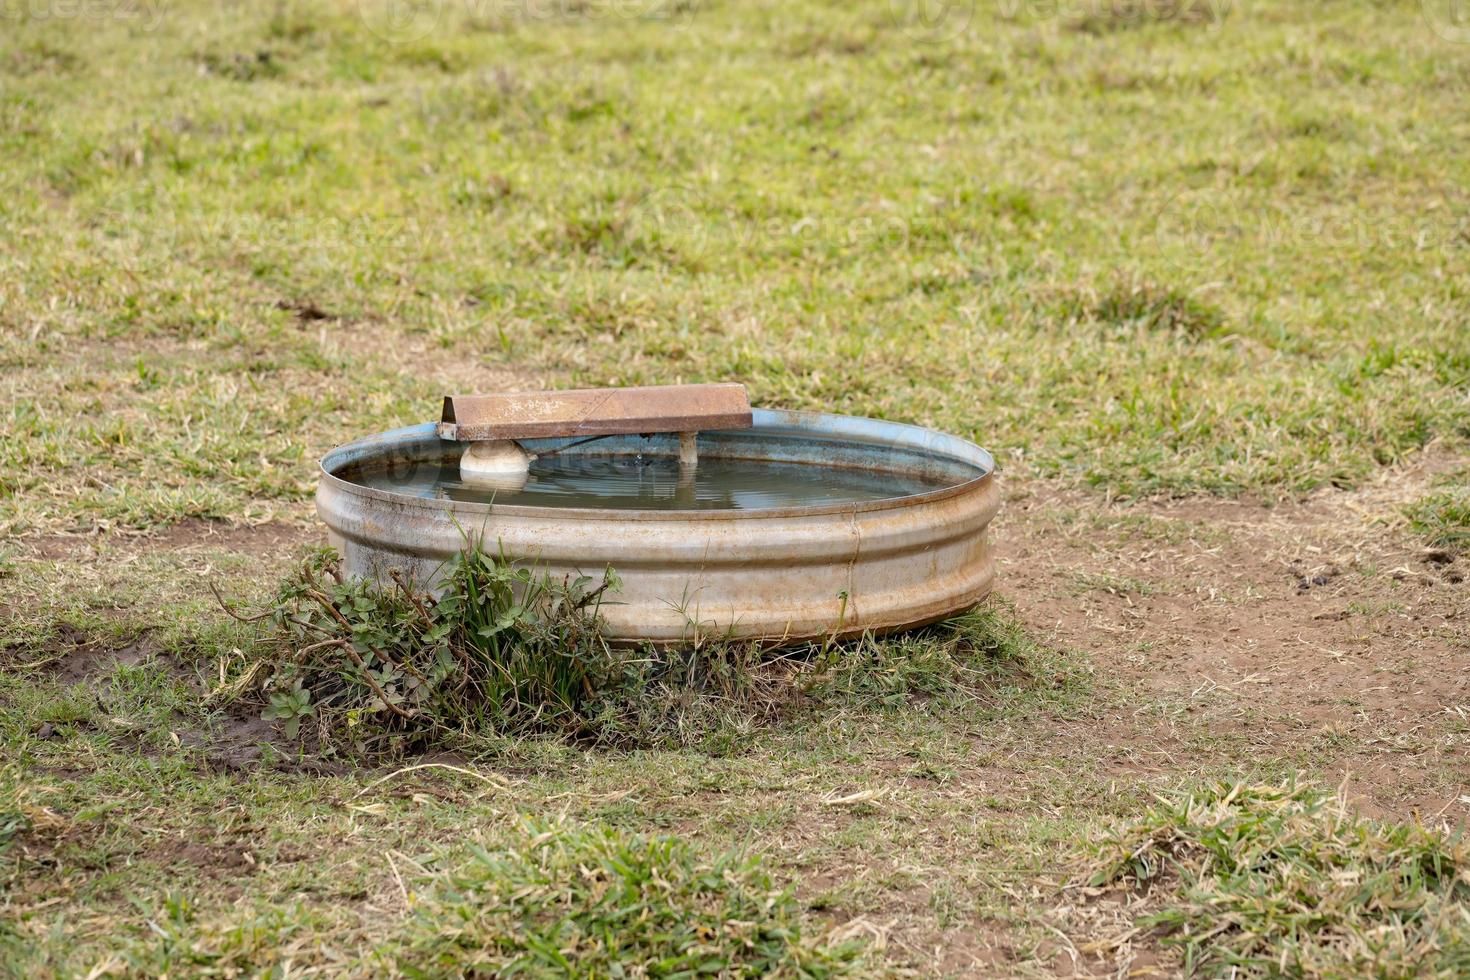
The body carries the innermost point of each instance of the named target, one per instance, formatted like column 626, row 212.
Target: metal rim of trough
column 773, row 575
column 817, row 423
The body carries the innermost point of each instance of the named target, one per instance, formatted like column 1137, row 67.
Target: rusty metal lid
column 594, row 412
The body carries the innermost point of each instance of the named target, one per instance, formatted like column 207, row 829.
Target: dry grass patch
column 529, row 898
column 1443, row 515
column 1287, row 880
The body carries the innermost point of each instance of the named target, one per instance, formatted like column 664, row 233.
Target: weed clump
column 1286, row 880
column 373, row 669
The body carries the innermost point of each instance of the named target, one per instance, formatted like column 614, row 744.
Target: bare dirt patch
column 452, row 368
column 1316, row 629
column 267, row 540
column 241, row 741
column 235, row 738
column 209, row 858
column 77, row 658
column 72, row 655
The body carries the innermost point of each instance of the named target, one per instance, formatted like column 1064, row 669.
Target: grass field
column 1197, row 271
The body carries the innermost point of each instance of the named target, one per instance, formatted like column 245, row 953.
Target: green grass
column 1133, row 248
column 1239, row 265
column 1288, row 880
column 130, row 796
column 569, row 901
column 376, row 670
column 1442, row 516
column 534, row 899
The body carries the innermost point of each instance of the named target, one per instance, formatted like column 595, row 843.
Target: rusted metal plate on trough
column 594, row 412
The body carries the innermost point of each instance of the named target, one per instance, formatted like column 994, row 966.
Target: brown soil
column 213, row 857
column 1294, row 626
column 238, row 739
column 1320, row 634
column 193, row 534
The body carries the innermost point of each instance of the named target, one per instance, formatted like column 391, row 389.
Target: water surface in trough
column 651, row 482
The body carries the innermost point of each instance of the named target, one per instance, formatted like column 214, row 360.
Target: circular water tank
column 776, row 574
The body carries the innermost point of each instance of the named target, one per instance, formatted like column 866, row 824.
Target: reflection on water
column 627, row 482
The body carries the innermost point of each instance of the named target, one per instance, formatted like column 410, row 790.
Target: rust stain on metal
column 594, row 412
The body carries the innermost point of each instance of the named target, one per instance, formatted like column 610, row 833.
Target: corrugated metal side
column 788, row 573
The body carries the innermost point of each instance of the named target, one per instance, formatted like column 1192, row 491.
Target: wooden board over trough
column 594, row 412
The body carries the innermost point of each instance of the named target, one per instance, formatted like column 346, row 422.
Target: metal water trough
column 775, row 574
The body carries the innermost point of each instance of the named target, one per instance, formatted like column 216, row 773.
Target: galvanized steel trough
column 774, row 574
